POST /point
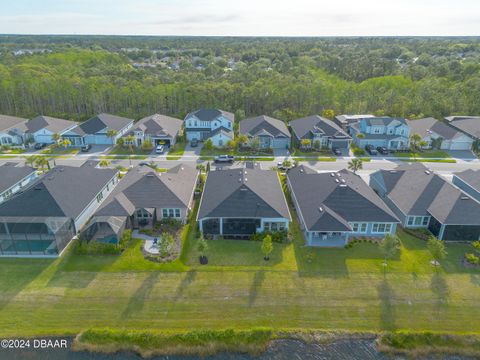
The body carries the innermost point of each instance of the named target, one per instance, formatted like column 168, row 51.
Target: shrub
column 472, row 259
column 476, row 244
column 277, row 236
column 97, row 248
column 358, row 151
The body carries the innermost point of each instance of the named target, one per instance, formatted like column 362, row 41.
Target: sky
column 242, row 17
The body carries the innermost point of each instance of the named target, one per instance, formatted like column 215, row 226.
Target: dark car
column 194, row 143
column 382, row 150
column 371, row 150
column 336, row 151
column 39, row 146
column 86, row 148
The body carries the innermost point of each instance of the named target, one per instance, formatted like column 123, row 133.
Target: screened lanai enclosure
column 105, row 229
column 231, row 228
column 35, row 235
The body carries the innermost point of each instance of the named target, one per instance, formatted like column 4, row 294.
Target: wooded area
column 77, row 76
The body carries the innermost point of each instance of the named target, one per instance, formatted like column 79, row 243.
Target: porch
column 327, row 239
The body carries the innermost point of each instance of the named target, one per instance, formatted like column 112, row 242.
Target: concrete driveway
column 192, row 151
column 462, row 154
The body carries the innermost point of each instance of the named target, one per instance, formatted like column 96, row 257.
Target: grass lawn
column 125, row 150
column 299, row 287
column 315, row 159
column 12, row 151
column 300, row 153
column 55, row 150
column 176, row 152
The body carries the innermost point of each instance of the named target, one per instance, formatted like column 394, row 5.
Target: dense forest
column 77, row 76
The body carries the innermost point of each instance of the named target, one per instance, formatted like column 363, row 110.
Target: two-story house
column 392, row 133
column 213, row 124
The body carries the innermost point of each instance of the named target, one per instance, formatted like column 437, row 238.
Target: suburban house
column 94, row 131
column 14, row 178
column 422, row 199
column 12, row 130
column 392, row 133
column 142, row 198
column 334, row 207
column 41, row 128
column 271, row 133
column 159, row 129
column 43, row 218
column 469, row 182
column 469, row 125
column 315, row 128
column 344, row 121
column 238, row 203
column 439, row 135
column 213, row 124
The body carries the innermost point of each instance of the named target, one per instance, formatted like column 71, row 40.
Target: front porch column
column 221, row 226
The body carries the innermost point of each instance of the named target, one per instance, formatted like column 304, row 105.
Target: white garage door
column 460, row 145
column 47, row 139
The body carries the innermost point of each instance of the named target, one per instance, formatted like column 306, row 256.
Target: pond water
column 281, row 350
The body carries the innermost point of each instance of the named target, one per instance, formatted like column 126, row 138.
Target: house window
column 273, row 226
column 381, row 228
column 359, row 227
column 410, row 220
column 171, row 213
column 418, row 220
column 425, row 220
column 376, row 131
column 195, row 124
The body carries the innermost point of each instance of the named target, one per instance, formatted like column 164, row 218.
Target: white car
column 159, row 149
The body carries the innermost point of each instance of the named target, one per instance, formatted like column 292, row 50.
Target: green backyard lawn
column 440, row 154
column 299, row 287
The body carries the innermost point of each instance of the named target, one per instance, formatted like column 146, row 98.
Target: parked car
column 86, row 148
column 224, row 159
column 39, row 146
column 194, row 143
column 159, row 149
column 382, row 150
column 371, row 150
column 143, row 163
column 336, row 151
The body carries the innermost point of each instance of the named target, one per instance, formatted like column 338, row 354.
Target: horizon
column 268, row 18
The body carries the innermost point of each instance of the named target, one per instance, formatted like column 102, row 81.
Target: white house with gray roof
column 469, row 125
column 391, row 133
column 142, row 198
column 12, row 130
column 43, row 218
column 422, row 199
column 439, row 135
column 334, row 207
column 14, row 178
column 213, row 124
column 41, row 128
column 94, row 130
column 159, row 129
column 271, row 133
column 315, row 128
column 238, row 203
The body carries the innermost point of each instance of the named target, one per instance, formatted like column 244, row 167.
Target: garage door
column 47, row 139
column 460, row 145
column 281, row 143
column 340, row 144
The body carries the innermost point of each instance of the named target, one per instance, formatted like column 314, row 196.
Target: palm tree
column 30, row 160
column 130, row 139
column 104, row 163
column 111, row 134
column 66, row 143
column 242, row 139
column 56, row 137
column 414, row 142
column 41, row 162
column 355, row 165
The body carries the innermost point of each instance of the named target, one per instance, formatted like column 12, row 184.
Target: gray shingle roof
column 303, row 128
column 159, row 125
column 102, row 121
column 46, row 122
column 143, row 187
column 63, row 191
column 223, row 130
column 385, row 121
column 328, row 202
column 424, row 127
column 470, row 125
column 254, row 126
column 211, row 114
column 417, row 191
column 7, row 122
column 243, row 193
column 349, row 119
column 471, row 177
column 11, row 174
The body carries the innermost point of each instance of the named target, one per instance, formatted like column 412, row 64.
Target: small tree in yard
column 414, row 142
column 390, row 247
column 104, row 163
column 65, row 143
column 267, row 247
column 437, row 250
column 111, row 134
column 56, row 137
column 120, row 141
column 208, row 145
column 305, row 143
column 207, row 169
column 202, row 247
column 316, row 144
column 355, row 165
column 242, row 139
column 130, row 139
column 360, row 136
column 255, row 143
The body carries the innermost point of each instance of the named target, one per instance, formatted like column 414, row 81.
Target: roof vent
column 337, row 181
column 465, row 198
column 150, row 175
column 393, row 171
column 301, row 170
column 246, row 179
column 320, row 209
column 343, row 181
column 332, row 174
column 343, row 185
column 240, row 180
column 37, row 188
column 427, row 172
